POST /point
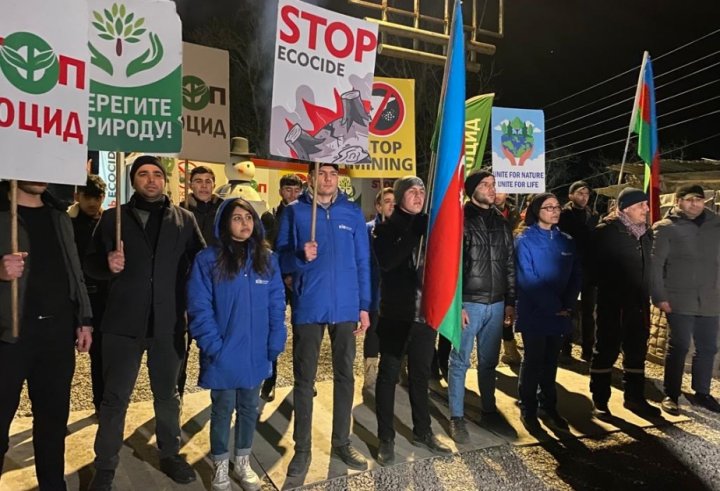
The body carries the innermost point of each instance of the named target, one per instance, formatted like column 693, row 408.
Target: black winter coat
column 579, row 224
column 620, row 265
column 396, row 243
column 488, row 258
column 153, row 281
column 205, row 216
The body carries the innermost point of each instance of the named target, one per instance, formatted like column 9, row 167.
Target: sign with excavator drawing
column 322, row 85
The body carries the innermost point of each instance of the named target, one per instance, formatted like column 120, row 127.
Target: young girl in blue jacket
column 547, row 285
column 236, row 306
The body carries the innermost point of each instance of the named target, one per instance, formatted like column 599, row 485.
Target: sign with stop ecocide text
column 322, row 85
column 43, row 91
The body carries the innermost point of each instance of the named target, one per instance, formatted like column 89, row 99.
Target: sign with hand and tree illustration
column 135, row 76
column 518, row 150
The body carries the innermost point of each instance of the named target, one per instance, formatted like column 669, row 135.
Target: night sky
column 554, row 48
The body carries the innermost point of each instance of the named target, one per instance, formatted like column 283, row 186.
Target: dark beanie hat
column 145, row 160
column 533, row 211
column 690, row 190
column 629, row 197
column 472, row 181
column 578, row 185
column 403, row 184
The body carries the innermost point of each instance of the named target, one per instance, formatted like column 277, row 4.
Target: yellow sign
column 392, row 130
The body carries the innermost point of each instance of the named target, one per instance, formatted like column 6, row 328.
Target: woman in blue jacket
column 548, row 283
column 236, row 305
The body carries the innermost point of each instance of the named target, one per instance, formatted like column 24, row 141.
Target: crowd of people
column 216, row 272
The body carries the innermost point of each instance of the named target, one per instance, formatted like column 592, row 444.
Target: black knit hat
column 145, row 160
column 629, row 197
column 533, row 211
column 690, row 190
column 577, row 185
column 472, row 181
column 403, row 184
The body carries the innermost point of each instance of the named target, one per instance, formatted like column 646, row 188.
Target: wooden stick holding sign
column 313, row 221
column 187, row 184
column 120, row 159
column 14, row 285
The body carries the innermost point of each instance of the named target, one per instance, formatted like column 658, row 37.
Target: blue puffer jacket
column 374, row 267
column 238, row 324
column 336, row 285
column 547, row 280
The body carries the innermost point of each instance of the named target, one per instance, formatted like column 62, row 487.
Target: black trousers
column 619, row 327
column 398, row 338
column 538, row 371
column 586, row 320
column 96, row 369
column 307, row 339
column 121, row 362
column 45, row 357
column 182, row 374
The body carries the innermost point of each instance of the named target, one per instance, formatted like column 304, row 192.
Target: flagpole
column 14, row 285
column 633, row 115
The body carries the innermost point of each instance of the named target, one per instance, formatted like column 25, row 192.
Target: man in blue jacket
column 330, row 287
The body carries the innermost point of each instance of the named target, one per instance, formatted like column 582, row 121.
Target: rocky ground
column 683, row 456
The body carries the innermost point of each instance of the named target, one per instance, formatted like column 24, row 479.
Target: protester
column 578, row 220
column 331, row 288
column 55, row 318
column 621, row 247
column 508, row 210
column 290, row 189
column 203, row 204
column 402, row 330
column 548, row 282
column 384, row 205
column 488, row 295
column 236, row 305
column 686, row 286
column 85, row 214
column 144, row 312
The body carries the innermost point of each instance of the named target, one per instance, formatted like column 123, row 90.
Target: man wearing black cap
column 144, row 312
column 488, row 295
column 402, row 328
column 686, row 286
column 621, row 271
column 578, row 220
column 330, row 289
column 85, row 214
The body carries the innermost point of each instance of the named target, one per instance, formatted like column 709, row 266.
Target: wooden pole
column 120, row 162
column 187, row 184
column 382, row 199
column 313, row 222
column 14, row 285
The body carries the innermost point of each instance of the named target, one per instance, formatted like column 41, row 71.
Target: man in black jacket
column 85, row 214
column 488, row 296
column 55, row 316
column 203, row 204
column 401, row 328
column 578, row 220
column 145, row 311
column 621, row 251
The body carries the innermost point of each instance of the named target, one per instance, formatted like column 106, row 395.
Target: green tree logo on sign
column 196, row 93
column 120, row 26
column 28, row 62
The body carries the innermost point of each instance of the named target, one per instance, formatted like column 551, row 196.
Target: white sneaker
column 249, row 481
column 221, row 480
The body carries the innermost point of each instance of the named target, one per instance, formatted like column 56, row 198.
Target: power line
column 632, row 136
column 625, row 114
column 632, row 98
column 632, row 69
column 658, row 77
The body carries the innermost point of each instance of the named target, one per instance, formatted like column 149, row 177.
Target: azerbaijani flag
column 644, row 123
column 441, row 299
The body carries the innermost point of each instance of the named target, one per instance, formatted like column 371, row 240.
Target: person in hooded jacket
column 548, row 281
column 236, row 306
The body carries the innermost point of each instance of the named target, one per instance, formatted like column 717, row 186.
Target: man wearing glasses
column 685, row 286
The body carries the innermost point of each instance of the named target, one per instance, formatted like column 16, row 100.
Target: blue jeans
column 486, row 323
column 704, row 331
column 538, row 370
column 224, row 403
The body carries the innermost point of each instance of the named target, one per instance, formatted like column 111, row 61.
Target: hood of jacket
column 221, row 208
